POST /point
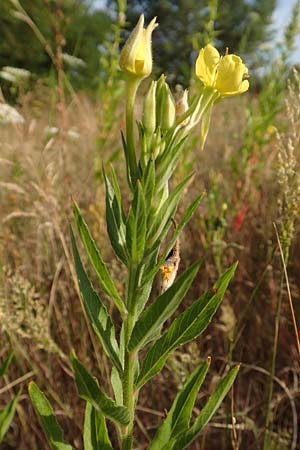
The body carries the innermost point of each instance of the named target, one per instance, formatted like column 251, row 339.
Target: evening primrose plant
column 145, row 238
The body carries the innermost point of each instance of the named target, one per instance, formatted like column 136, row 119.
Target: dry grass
column 39, row 175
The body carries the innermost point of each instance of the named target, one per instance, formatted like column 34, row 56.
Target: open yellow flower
column 226, row 73
column 136, row 55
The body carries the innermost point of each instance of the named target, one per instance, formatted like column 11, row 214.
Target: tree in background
column 186, row 25
column 83, row 28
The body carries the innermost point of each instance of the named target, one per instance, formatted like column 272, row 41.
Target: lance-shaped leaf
column 115, row 220
column 104, row 278
column 166, row 212
column 162, row 308
column 148, row 182
column 179, row 416
column 136, row 225
column 187, row 326
column 46, row 415
column 90, row 391
column 95, row 435
column 167, row 162
column 207, row 412
column 151, row 271
column 96, row 311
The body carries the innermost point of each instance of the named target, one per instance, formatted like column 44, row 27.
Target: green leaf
column 96, row 311
column 148, row 182
column 136, row 225
column 89, row 390
column 166, row 212
column 114, row 220
column 179, row 416
column 162, row 308
column 104, row 278
column 7, row 414
column 116, row 383
column 208, row 411
column 4, row 367
column 95, row 435
column 167, row 162
column 187, row 326
column 154, row 267
column 45, row 412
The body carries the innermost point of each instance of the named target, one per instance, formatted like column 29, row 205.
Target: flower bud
column 168, row 109
column 136, row 55
column 149, row 114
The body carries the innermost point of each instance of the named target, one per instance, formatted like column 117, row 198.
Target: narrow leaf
column 4, row 367
column 154, row 267
column 166, row 211
column 46, row 415
column 96, row 311
column 104, row 278
column 162, row 308
column 178, row 418
column 136, row 225
column 148, row 182
column 187, row 326
column 90, row 391
column 95, row 435
column 114, row 220
column 208, row 411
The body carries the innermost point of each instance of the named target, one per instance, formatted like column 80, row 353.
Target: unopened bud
column 168, row 109
column 149, row 114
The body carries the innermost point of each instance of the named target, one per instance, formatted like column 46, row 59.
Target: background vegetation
column 70, row 120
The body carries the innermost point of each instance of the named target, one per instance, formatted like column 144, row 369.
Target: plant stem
column 128, row 385
column 131, row 89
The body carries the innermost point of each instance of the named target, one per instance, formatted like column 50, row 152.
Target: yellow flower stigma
column 226, row 73
column 136, row 55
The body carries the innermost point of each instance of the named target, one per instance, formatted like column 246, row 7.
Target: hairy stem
column 128, row 385
column 132, row 86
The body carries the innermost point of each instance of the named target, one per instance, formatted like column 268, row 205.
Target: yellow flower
column 226, row 73
column 136, row 55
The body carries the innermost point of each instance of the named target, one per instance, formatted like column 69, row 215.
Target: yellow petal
column 206, row 64
column 230, row 76
column 127, row 58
